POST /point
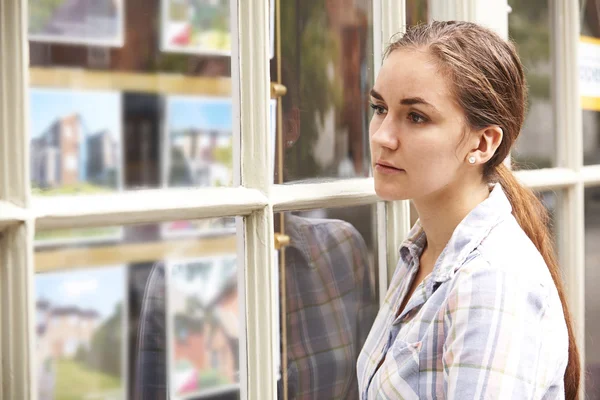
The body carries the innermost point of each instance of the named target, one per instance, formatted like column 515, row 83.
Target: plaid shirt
column 486, row 323
column 331, row 305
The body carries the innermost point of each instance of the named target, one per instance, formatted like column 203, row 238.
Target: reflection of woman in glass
column 476, row 307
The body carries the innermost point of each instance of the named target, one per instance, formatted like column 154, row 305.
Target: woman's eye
column 416, row 118
column 378, row 109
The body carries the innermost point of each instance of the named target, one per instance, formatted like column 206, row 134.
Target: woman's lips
column 386, row 169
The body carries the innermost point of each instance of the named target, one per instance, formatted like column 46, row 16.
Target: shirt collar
column 465, row 238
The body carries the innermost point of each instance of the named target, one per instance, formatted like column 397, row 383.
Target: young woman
column 476, row 306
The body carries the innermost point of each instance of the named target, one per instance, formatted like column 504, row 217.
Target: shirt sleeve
column 493, row 324
column 367, row 301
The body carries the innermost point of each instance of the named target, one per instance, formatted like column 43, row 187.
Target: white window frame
column 256, row 199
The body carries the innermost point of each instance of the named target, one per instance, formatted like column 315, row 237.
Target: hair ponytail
column 533, row 218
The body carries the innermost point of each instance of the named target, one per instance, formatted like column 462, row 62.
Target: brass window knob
column 281, row 240
column 277, row 90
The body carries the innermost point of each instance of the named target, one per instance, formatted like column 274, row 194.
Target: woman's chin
column 391, row 194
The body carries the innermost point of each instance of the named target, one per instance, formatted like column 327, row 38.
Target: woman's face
column 417, row 130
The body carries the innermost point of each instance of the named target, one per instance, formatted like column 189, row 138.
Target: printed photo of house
column 75, row 141
column 198, row 152
column 199, row 142
column 77, row 21
column 196, row 26
column 204, row 326
column 80, row 333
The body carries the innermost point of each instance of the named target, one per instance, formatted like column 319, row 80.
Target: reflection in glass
column 202, row 322
column 589, row 51
column 551, row 200
column 592, row 301
column 529, row 26
column 199, row 144
column 123, row 99
column 327, row 68
column 75, row 141
column 329, row 300
column 79, row 316
column 417, row 12
column 152, row 311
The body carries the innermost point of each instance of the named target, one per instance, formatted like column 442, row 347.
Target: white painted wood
column 382, row 252
column 591, row 175
column 397, row 213
column 144, row 206
column 17, row 340
column 147, row 206
column 14, row 136
column 548, row 179
column 393, row 21
column 17, row 313
column 250, row 70
column 339, row 193
column 11, row 214
column 490, row 13
column 378, row 41
column 398, row 222
column 442, row 10
column 570, row 142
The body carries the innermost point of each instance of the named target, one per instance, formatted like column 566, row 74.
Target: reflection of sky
column 99, row 289
column 186, row 112
column 207, row 286
column 99, row 109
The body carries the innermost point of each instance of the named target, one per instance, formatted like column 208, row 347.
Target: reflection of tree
column 416, row 12
column 224, row 155
column 529, row 27
column 179, row 173
column 40, row 11
column 309, row 51
column 104, row 353
column 590, row 26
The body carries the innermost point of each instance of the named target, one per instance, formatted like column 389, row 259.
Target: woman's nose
column 385, row 135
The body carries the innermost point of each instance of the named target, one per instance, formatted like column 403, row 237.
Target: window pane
column 417, row 12
column 529, row 25
column 329, row 300
column 327, row 67
column 122, row 99
column 592, row 302
column 551, row 200
column 589, row 52
column 128, row 316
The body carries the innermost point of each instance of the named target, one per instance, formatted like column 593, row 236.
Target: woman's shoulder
column 508, row 249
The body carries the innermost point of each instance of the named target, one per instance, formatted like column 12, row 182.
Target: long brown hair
column 488, row 82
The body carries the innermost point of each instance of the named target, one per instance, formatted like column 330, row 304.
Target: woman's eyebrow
column 375, row 94
column 409, row 101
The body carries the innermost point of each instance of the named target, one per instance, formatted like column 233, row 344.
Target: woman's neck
column 441, row 213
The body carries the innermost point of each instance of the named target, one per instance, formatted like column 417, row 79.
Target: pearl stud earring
column 472, row 160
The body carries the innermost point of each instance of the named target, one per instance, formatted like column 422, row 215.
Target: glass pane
column 329, row 300
column 529, row 26
column 589, row 56
column 417, row 12
column 592, row 301
column 551, row 200
column 326, row 63
column 122, row 99
column 133, row 316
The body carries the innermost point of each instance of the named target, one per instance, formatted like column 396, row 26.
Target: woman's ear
column 488, row 141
